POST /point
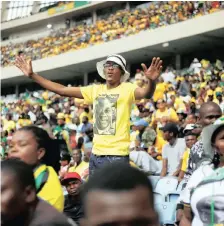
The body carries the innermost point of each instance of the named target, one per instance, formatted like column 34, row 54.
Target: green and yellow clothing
column 49, row 187
column 61, row 133
column 111, row 119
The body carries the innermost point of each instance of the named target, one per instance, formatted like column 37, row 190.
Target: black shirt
column 73, row 208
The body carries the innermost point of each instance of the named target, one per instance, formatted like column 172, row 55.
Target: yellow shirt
column 111, row 117
column 159, row 91
column 185, row 160
column 52, row 190
column 88, row 115
column 169, row 112
column 160, row 142
column 81, row 169
column 179, row 104
column 8, row 125
column 132, row 164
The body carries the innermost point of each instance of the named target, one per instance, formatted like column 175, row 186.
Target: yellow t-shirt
column 169, row 112
column 111, row 117
column 81, row 169
column 179, row 104
column 8, row 125
column 52, row 190
column 185, row 160
column 159, row 91
column 160, row 142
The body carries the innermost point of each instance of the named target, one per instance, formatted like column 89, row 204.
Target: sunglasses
column 114, row 66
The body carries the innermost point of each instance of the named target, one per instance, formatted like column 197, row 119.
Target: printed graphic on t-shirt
column 105, row 111
column 208, row 215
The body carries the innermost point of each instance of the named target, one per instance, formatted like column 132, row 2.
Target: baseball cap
column 69, row 176
column 189, row 127
column 170, row 127
column 60, row 116
column 141, row 122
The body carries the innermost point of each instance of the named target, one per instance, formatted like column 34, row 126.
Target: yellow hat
column 60, row 116
column 210, row 92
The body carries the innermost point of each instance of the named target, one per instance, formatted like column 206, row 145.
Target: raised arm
column 152, row 73
column 26, row 68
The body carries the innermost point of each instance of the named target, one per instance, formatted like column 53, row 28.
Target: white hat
column 189, row 127
column 72, row 127
column 118, row 59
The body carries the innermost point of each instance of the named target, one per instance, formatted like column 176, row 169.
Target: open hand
column 153, row 72
column 24, row 66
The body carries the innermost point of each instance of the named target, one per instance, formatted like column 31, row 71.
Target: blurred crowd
column 44, row 127
column 120, row 24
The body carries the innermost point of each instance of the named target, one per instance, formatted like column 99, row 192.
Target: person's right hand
column 24, row 66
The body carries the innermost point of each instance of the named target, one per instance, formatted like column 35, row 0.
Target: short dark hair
column 22, row 172
column 117, row 177
column 190, row 133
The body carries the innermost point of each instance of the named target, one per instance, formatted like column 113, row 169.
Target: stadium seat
column 154, row 180
column 166, row 212
column 166, row 185
column 158, row 198
column 181, row 185
column 172, row 197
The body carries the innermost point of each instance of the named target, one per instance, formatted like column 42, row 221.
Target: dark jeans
column 97, row 161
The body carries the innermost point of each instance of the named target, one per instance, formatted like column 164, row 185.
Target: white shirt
column 200, row 197
column 144, row 161
column 173, row 154
column 168, row 77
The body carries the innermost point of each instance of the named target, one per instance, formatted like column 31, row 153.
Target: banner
column 66, row 7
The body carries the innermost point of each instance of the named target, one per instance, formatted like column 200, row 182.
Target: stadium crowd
column 120, row 24
column 54, row 135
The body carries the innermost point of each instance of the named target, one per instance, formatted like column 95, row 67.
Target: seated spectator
column 162, row 116
column 61, row 132
column 185, row 87
column 43, row 154
column 144, row 161
column 86, row 113
column 8, row 123
column 78, row 165
column 73, row 204
column 65, row 160
column 72, row 128
column 86, row 125
column 190, row 140
column 22, row 206
column 208, row 113
column 173, row 151
column 150, row 140
column 129, row 189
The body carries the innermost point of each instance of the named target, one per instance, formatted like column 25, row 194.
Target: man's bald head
column 209, row 112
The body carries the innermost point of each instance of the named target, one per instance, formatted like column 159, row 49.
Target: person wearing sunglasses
column 111, row 103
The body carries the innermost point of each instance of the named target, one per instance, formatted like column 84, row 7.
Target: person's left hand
column 153, row 72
